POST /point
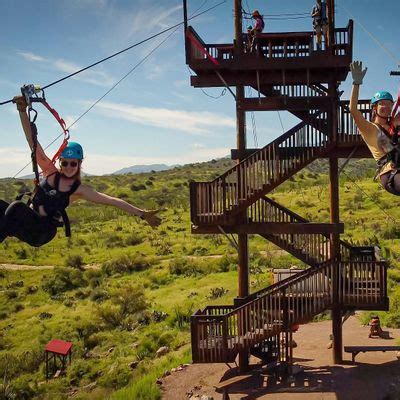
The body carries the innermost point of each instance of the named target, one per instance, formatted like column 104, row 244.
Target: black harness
column 53, row 201
column 392, row 156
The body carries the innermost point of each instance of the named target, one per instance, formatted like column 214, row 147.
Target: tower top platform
column 279, row 58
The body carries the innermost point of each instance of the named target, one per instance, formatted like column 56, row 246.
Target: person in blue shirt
column 320, row 22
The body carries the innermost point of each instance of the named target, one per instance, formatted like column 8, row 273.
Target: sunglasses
column 71, row 163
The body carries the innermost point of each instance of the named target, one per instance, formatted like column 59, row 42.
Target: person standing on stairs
column 380, row 133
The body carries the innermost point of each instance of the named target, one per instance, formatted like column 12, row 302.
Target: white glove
column 357, row 72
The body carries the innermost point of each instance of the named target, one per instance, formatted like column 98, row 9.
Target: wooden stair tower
column 289, row 73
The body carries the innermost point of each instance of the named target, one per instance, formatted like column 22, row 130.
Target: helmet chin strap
column 388, row 118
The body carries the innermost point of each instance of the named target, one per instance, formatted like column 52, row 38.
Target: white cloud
column 94, row 77
column 100, row 164
column 30, row 56
column 195, row 123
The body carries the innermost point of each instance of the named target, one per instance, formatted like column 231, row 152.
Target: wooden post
column 243, row 253
column 331, row 22
column 185, row 25
column 335, row 237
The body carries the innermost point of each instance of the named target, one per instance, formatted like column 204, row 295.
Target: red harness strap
column 395, row 112
column 64, row 128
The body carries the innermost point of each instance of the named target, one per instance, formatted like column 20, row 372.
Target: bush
column 99, row 295
column 181, row 316
column 134, row 239
column 64, row 279
column 125, row 265
column 187, row 267
column 74, row 261
column 11, row 294
column 125, row 307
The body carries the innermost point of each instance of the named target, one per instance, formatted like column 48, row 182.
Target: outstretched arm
column 87, row 193
column 44, row 162
column 358, row 75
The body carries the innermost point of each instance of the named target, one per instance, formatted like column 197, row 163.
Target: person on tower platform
column 257, row 28
column 320, row 22
column 381, row 133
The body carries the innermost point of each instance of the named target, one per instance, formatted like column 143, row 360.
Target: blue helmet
column 73, row 150
column 382, row 95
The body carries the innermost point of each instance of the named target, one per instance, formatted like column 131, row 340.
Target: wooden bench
column 354, row 350
column 224, row 385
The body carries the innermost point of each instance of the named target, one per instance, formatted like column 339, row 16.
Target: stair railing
column 265, row 169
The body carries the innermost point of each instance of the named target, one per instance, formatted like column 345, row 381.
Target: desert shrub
column 390, row 231
column 21, row 253
column 15, row 285
column 226, row 263
column 124, row 307
column 31, row 289
column 74, row 261
column 130, row 299
column 187, row 267
column 18, row 307
column 217, row 292
column 82, row 294
column 137, row 188
column 112, row 241
column 94, row 277
column 3, row 314
column 14, row 364
column 124, row 265
column 117, row 376
column 99, row 295
column 11, row 294
column 111, row 315
column 134, row 239
column 63, row 279
column 181, row 316
column 78, row 370
column 22, row 388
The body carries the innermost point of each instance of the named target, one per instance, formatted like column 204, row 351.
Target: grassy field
column 120, row 290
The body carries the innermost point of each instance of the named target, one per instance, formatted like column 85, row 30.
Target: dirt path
column 20, row 267
column 374, row 375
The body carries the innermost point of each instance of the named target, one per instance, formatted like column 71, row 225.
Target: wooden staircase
column 216, row 202
column 220, row 332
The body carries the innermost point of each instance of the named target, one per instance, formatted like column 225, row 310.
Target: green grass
column 175, row 271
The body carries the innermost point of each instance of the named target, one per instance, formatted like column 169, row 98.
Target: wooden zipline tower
column 289, row 73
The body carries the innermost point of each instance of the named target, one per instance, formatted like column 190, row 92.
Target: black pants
column 21, row 221
column 391, row 183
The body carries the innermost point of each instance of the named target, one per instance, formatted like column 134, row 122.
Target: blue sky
column 154, row 116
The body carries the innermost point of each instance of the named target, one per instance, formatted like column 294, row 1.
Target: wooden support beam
column 208, row 78
column 272, row 228
column 285, row 103
column 341, row 151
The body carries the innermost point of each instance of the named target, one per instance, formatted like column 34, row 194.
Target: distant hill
column 137, row 169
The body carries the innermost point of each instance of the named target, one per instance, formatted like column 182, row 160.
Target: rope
column 280, row 120
column 369, row 197
column 231, row 239
column 126, row 49
column 112, row 88
column 214, row 97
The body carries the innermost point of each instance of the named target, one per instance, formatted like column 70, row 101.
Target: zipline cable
column 115, row 85
column 126, row 49
column 374, row 38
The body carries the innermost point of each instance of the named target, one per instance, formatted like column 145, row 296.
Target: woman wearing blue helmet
column 378, row 132
column 36, row 224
